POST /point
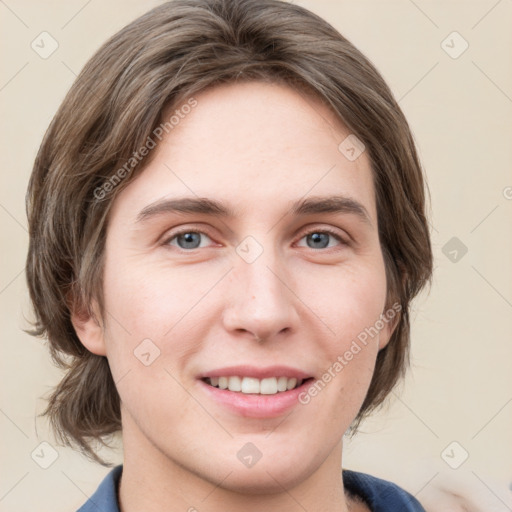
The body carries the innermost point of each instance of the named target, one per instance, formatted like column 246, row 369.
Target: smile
column 252, row 385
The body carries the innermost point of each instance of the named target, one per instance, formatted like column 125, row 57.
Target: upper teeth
column 268, row 386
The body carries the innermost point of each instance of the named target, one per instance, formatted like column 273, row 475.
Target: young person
column 227, row 227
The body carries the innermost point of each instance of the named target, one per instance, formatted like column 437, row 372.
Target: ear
column 89, row 329
column 392, row 313
column 390, row 317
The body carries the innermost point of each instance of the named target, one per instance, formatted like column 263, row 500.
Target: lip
column 256, row 405
column 257, row 373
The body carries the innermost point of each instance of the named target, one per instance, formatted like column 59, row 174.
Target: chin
column 263, row 478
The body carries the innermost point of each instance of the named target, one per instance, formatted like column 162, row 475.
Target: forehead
column 252, row 145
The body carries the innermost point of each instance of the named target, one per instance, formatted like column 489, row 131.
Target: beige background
column 459, row 388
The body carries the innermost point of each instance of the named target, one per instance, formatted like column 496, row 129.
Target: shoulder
column 105, row 497
column 379, row 494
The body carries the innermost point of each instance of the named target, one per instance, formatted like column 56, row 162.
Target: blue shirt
column 380, row 495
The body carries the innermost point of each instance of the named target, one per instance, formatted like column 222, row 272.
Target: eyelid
column 326, row 229
column 173, row 233
column 344, row 240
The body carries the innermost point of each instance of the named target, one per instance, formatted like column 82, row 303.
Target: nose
column 260, row 302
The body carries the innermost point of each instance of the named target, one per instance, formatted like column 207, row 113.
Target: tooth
column 250, row 385
column 281, row 383
column 268, row 386
column 235, row 384
column 291, row 383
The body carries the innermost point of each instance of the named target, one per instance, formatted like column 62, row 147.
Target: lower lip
column 256, row 406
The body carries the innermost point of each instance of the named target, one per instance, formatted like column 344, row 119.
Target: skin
column 257, row 147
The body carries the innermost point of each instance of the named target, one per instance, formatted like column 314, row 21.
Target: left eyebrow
column 331, row 204
column 205, row 206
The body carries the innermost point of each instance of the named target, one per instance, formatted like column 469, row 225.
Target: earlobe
column 89, row 329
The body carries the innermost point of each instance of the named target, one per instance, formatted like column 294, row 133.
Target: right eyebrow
column 185, row 205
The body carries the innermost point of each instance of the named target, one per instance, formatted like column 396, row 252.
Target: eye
column 315, row 239
column 321, row 238
column 187, row 239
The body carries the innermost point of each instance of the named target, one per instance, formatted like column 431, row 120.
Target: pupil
column 191, row 240
column 318, row 238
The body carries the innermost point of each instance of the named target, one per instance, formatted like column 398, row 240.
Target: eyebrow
column 205, row 206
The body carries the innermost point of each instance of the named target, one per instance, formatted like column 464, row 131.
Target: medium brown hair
column 152, row 65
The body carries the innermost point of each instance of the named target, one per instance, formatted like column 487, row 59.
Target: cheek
column 148, row 298
column 150, row 308
column 348, row 300
column 145, row 312
column 349, row 303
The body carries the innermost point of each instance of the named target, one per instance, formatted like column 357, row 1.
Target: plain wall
column 459, row 387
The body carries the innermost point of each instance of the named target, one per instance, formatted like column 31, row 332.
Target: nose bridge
column 260, row 301
column 263, row 281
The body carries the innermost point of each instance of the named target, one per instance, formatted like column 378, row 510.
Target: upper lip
column 255, row 372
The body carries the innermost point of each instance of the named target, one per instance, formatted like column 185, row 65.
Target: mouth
column 255, row 386
column 251, row 392
column 255, row 391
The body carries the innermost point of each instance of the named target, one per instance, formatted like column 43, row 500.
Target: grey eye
column 318, row 240
column 188, row 240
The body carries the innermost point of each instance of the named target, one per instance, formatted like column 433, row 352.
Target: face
column 247, row 249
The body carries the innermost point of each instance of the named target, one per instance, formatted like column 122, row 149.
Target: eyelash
column 329, row 231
